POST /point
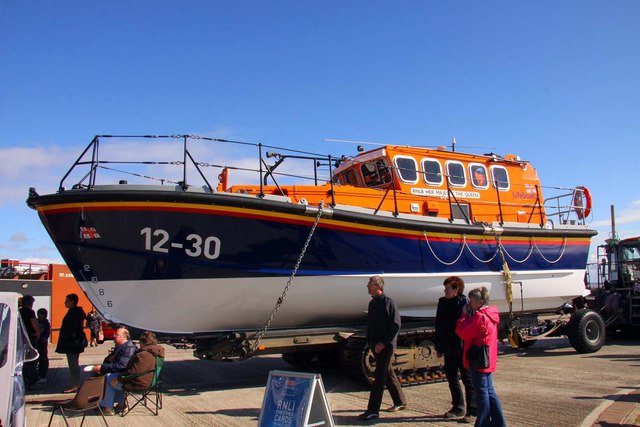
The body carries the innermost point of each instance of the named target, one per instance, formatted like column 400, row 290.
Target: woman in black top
column 72, row 339
column 447, row 343
column 94, row 323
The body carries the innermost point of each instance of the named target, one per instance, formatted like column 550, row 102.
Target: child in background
column 43, row 344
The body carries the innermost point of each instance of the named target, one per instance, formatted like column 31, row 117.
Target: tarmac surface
column 548, row 384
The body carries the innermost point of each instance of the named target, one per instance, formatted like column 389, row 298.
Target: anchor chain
column 259, row 335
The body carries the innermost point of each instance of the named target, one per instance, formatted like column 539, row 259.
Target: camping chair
column 87, row 398
column 151, row 398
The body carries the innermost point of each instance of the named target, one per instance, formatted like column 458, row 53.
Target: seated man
column 143, row 361
column 119, row 358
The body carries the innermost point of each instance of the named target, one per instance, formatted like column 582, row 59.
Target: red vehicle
column 108, row 330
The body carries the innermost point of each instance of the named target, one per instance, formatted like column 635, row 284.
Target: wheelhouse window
column 478, row 176
column 455, row 174
column 500, row 178
column 407, row 169
column 349, row 177
column 432, row 172
column 376, row 173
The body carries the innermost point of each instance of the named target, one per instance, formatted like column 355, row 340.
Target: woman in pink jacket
column 478, row 325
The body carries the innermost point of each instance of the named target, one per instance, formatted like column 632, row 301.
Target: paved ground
column 548, row 384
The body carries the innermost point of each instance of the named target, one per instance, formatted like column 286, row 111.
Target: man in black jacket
column 383, row 324
column 449, row 344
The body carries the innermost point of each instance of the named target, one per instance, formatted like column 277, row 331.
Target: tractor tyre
column 586, row 331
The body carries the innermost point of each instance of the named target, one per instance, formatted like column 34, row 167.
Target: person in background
column 383, row 325
column 449, row 345
column 30, row 321
column 72, row 339
column 43, row 345
column 478, row 325
column 94, row 323
column 144, row 360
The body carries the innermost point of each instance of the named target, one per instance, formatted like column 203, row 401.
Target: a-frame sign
column 295, row 399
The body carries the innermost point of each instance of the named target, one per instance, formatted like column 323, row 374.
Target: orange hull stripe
column 297, row 219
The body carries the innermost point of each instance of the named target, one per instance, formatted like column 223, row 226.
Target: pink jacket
column 480, row 328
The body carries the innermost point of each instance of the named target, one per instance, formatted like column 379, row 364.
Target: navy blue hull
column 131, row 242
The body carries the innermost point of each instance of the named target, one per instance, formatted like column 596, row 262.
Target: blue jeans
column 112, row 394
column 488, row 407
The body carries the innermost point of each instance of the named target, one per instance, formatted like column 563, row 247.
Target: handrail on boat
column 564, row 207
column 395, row 198
column 538, row 205
column 95, row 162
column 280, row 158
column 560, row 207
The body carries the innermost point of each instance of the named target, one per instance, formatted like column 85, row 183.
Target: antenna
column 351, row 141
column 379, row 144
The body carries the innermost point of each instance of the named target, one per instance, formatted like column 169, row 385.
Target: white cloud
column 39, row 167
column 19, row 162
column 19, row 238
column 626, row 216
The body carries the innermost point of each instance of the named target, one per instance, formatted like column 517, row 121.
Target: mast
column 613, row 222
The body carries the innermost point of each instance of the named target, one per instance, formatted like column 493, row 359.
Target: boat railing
column 562, row 209
column 572, row 206
column 92, row 159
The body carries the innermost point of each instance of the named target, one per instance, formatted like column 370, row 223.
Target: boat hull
column 195, row 262
column 244, row 304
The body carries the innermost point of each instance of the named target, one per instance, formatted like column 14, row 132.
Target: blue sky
column 553, row 82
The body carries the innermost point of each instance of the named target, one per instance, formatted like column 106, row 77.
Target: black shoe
column 396, row 408
column 454, row 413
column 368, row 416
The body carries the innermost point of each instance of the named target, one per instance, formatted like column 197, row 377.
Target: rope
column 153, row 178
column 509, row 288
column 260, row 334
column 477, row 258
column 438, row 258
column 504, row 251
column 564, row 247
column 500, row 249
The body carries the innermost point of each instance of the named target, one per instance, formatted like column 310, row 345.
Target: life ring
column 582, row 202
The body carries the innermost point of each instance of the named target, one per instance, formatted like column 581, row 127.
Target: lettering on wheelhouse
column 194, row 245
column 444, row 194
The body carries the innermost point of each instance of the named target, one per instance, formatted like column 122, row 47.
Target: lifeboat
column 179, row 252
